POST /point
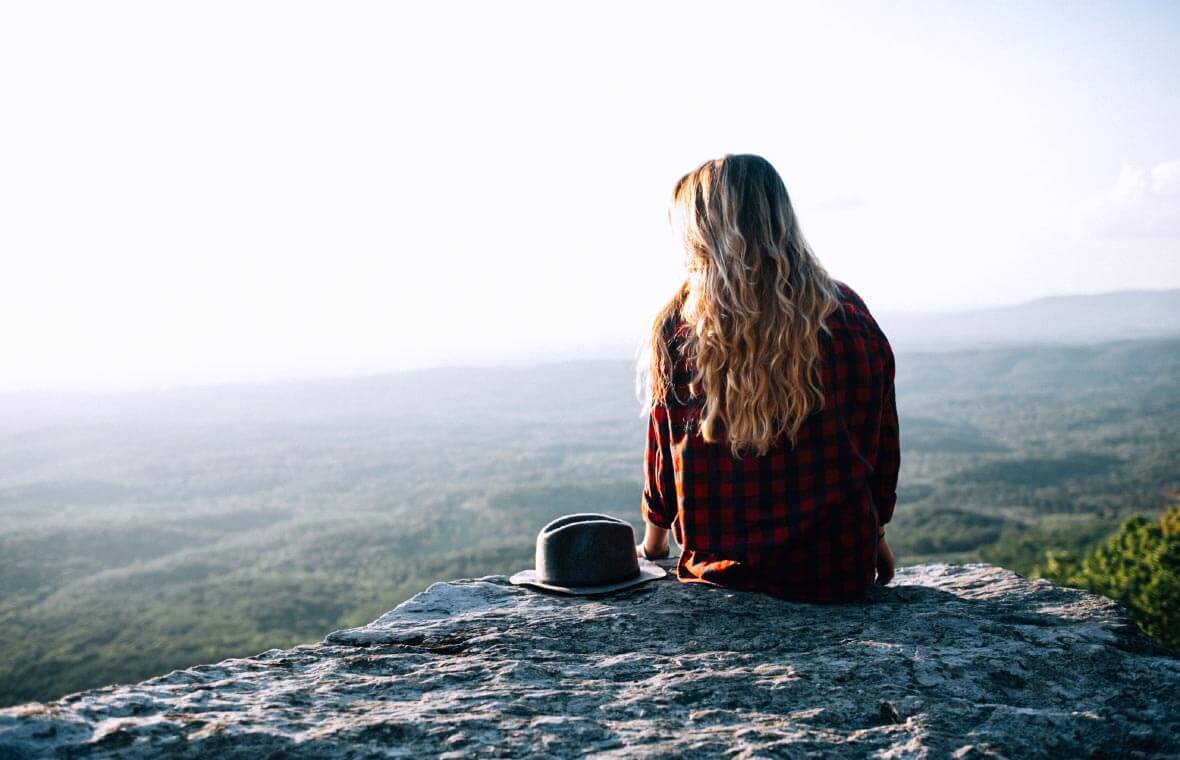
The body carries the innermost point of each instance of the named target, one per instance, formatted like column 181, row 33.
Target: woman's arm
column 658, row 504
column 883, row 480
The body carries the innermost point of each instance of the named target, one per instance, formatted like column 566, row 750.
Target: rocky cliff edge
column 950, row 660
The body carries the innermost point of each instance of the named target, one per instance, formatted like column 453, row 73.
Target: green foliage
column 928, row 530
column 1139, row 566
column 1021, row 547
column 1041, row 471
column 941, row 436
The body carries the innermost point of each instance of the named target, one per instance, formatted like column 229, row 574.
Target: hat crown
column 586, row 549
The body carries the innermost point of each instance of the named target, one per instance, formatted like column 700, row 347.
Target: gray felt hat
column 587, row 554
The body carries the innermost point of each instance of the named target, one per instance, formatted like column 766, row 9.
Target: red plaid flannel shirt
column 799, row 523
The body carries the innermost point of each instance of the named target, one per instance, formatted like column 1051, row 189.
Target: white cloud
column 1144, row 203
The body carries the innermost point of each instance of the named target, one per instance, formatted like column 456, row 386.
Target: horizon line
column 532, row 358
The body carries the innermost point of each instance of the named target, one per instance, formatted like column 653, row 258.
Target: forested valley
column 142, row 532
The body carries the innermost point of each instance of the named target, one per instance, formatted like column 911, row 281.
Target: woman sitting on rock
column 772, row 441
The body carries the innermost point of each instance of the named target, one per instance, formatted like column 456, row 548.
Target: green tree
column 1139, row 565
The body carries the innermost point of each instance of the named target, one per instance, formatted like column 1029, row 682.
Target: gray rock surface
column 950, row 660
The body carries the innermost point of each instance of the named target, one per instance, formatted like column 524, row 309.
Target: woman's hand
column 884, row 562
column 655, row 543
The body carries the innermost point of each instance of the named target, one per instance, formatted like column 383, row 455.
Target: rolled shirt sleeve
column 658, row 505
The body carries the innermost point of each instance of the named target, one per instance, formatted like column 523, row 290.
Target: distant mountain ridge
column 1071, row 319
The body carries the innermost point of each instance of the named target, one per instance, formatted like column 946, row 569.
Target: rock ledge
column 950, row 660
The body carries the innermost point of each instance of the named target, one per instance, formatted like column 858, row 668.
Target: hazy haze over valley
column 390, row 186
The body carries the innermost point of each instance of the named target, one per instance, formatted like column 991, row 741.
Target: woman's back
column 799, row 521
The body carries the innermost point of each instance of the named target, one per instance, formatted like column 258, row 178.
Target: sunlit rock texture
column 950, row 660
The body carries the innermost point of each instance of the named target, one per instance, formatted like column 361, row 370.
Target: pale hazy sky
column 205, row 191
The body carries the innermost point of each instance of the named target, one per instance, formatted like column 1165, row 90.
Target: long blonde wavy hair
column 755, row 297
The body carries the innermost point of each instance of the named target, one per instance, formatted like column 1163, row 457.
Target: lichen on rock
column 950, row 660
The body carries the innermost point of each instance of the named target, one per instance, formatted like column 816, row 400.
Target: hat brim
column 648, row 571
